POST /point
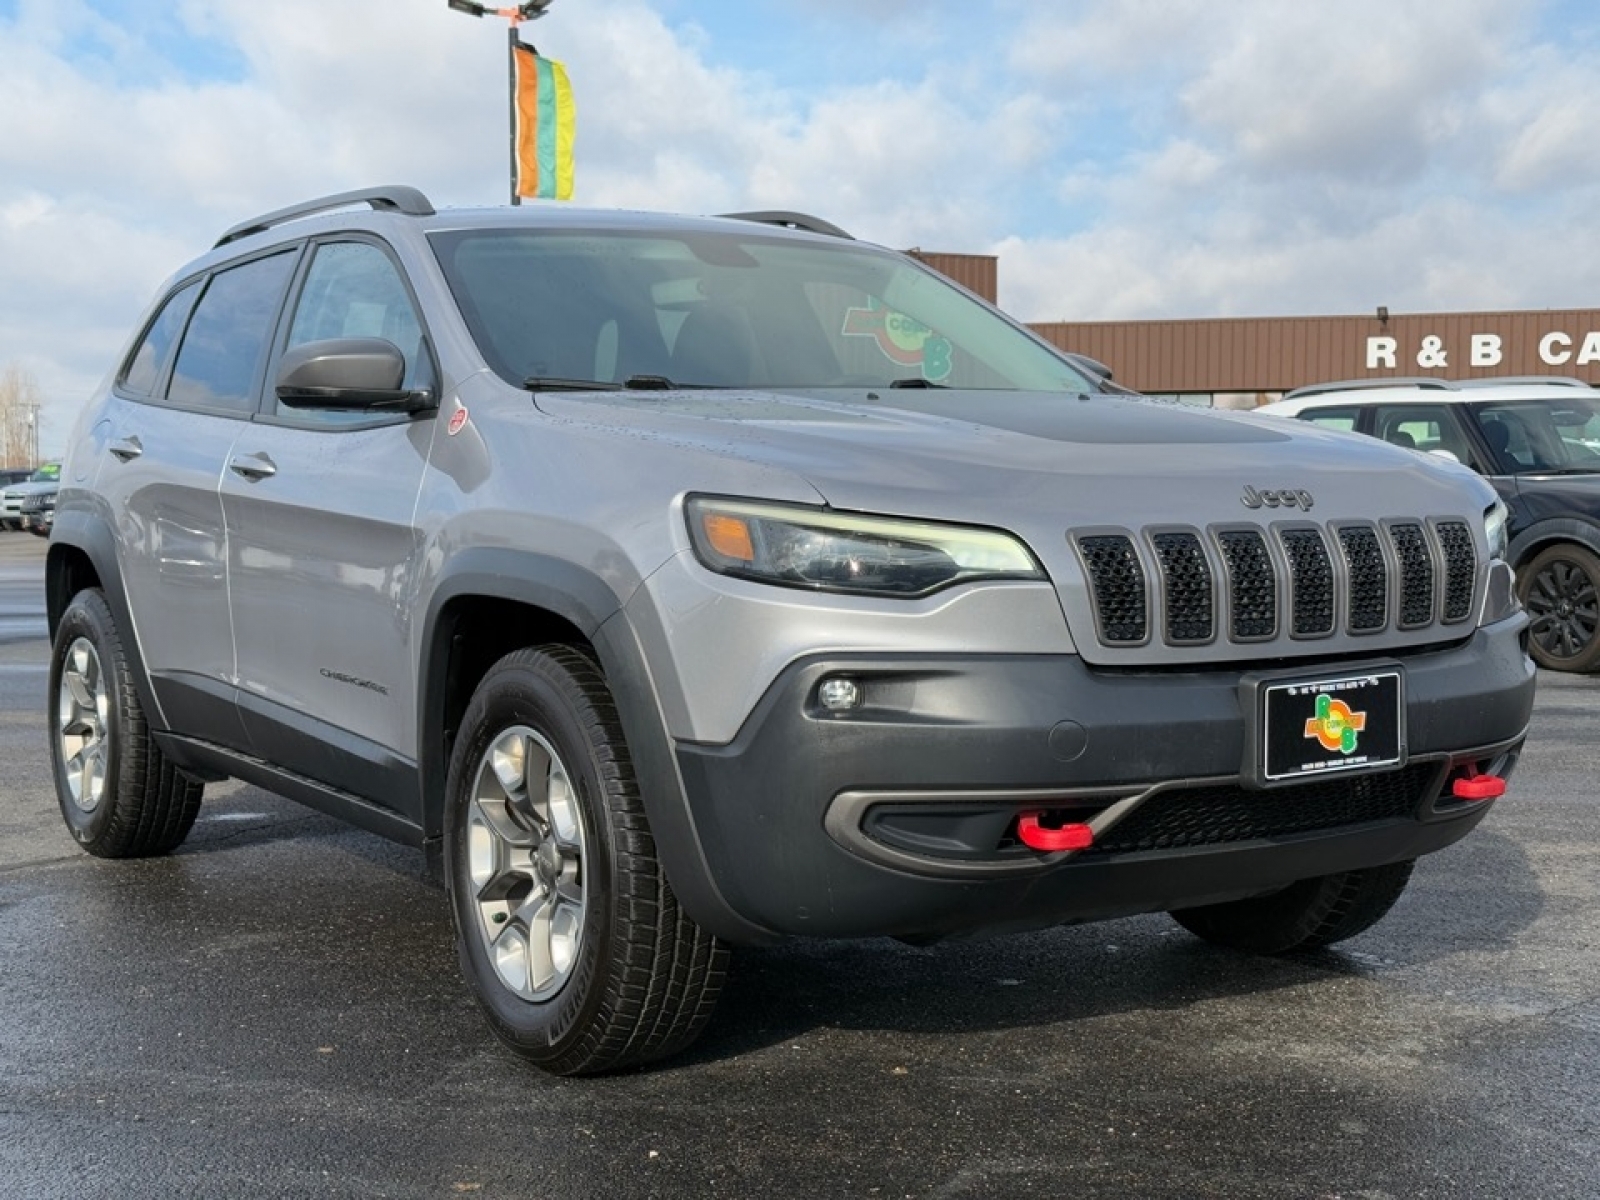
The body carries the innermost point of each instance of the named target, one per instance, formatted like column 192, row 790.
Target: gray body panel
column 321, row 592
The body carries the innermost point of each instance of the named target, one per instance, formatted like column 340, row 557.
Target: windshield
column 1542, row 436
column 729, row 309
column 49, row 473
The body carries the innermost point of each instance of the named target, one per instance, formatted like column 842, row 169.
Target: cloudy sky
column 1124, row 158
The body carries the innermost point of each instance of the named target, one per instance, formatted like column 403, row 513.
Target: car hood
column 1034, row 460
column 23, row 490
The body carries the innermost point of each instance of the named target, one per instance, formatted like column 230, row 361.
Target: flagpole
column 511, row 91
column 531, row 10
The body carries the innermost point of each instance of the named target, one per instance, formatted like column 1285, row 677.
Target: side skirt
column 210, row 761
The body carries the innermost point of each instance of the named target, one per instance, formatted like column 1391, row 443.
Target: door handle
column 126, row 449
column 253, row 467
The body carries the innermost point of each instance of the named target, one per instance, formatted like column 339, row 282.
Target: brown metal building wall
column 1275, row 354
column 978, row 273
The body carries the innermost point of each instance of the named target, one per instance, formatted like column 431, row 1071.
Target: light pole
column 530, row 11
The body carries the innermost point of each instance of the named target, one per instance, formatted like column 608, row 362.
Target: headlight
column 1494, row 528
column 848, row 552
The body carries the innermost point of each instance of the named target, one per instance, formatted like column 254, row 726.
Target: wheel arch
column 1543, row 534
column 488, row 602
column 83, row 554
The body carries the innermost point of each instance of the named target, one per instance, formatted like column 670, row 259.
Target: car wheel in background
column 119, row 795
column 568, row 933
column 1558, row 588
column 1303, row 916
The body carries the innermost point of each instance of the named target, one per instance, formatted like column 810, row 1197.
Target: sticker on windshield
column 903, row 340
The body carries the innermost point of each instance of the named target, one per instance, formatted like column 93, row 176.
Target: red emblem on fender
column 458, row 420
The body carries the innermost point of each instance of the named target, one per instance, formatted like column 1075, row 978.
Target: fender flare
column 587, row 602
column 89, row 532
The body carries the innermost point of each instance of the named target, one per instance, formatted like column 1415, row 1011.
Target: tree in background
column 19, row 417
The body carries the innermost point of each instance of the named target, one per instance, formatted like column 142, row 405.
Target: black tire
column 630, row 977
column 1303, row 916
column 1558, row 588
column 119, row 795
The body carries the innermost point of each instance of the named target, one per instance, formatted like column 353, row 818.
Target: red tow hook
column 1478, row 787
column 1038, row 837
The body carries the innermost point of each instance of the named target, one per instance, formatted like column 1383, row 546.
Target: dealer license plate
column 1322, row 726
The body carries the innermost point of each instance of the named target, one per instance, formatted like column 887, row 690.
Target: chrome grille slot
column 1116, row 582
column 1369, row 578
column 1460, row 569
column 1416, row 575
column 1311, row 582
column 1185, row 587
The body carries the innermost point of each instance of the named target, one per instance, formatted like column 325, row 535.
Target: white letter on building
column 1380, row 352
column 1591, row 349
column 1550, row 354
column 1485, row 350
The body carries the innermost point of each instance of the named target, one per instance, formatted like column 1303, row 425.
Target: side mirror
column 348, row 373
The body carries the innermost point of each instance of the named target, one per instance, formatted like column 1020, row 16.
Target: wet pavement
column 276, row 1010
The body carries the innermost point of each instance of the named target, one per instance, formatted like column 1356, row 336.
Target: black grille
column 1416, row 575
column 1211, row 816
column 1402, row 574
column 1186, row 587
column 1252, row 586
column 1117, row 581
column 1460, row 568
column 1311, row 581
column 1369, row 579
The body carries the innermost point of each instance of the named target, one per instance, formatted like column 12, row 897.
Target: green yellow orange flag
column 546, row 124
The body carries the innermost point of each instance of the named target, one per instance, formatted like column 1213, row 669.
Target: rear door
column 182, row 400
column 321, row 547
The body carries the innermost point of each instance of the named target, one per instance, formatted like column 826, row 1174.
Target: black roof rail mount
column 1426, row 382
column 390, row 198
column 791, row 220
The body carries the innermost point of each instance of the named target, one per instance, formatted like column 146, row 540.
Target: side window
column 220, row 359
column 145, row 367
column 1426, row 427
column 353, row 289
column 1342, row 419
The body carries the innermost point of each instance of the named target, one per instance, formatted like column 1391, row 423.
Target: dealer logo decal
column 1335, row 726
column 903, row 340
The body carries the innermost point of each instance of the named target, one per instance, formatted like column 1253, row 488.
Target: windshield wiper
column 552, row 383
column 633, row 383
column 916, row 381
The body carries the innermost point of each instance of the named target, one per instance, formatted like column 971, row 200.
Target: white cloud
column 1127, row 158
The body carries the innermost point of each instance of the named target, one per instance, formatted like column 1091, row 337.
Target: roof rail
column 392, row 198
column 791, row 220
column 1520, row 380
column 1427, row 382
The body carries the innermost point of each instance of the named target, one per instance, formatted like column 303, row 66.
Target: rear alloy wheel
column 569, row 935
column 1303, row 916
column 119, row 795
column 1558, row 588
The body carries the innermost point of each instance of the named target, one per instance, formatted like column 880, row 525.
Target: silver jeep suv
column 677, row 583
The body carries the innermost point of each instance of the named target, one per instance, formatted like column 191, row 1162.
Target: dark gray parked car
column 684, row 582
column 1538, row 442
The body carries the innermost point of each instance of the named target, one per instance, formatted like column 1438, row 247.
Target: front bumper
column 899, row 816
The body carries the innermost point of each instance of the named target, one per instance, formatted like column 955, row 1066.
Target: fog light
column 839, row 694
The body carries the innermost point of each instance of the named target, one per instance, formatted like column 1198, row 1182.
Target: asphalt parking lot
column 276, row 1011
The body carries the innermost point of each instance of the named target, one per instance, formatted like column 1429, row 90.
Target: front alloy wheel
column 525, row 852
column 569, row 935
